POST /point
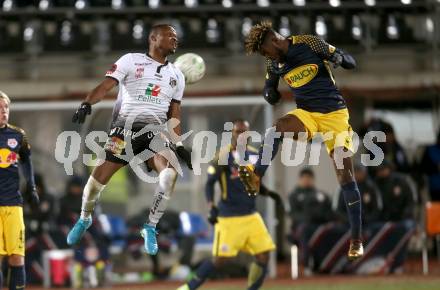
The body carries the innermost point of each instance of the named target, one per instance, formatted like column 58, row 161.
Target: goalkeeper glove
column 81, row 113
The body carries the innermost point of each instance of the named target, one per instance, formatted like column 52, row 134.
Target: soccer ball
column 192, row 66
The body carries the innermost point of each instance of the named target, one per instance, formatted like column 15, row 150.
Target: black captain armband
column 345, row 60
column 271, row 95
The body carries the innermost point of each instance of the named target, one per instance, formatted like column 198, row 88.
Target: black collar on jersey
column 160, row 66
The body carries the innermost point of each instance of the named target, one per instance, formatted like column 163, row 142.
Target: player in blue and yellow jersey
column 303, row 62
column 238, row 226
column 14, row 150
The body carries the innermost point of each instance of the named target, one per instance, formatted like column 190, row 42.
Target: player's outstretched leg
column 17, row 273
column 167, row 179
column 78, row 230
column 353, row 203
column 202, row 273
column 258, row 271
column 91, row 194
column 250, row 175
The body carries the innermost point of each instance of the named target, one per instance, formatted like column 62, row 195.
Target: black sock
column 266, row 148
column 352, row 198
column 202, row 273
column 17, row 278
column 257, row 273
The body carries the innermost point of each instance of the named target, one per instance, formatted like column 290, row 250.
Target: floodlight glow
column 263, row 3
column 212, row 31
column 335, row 3
column 284, row 26
column 80, row 4
column 138, row 30
column 153, row 4
column 8, row 5
column 191, row 3
column 66, row 32
column 246, row 27
column 28, row 33
column 44, row 5
column 299, row 2
column 117, row 4
column 320, row 27
column 227, row 3
column 429, row 24
column 356, row 29
column 392, row 29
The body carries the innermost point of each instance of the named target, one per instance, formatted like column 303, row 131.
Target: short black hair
column 155, row 29
column 307, row 171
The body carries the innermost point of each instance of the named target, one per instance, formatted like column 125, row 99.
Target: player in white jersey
column 150, row 92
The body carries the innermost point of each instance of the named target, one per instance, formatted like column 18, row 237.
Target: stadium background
column 53, row 52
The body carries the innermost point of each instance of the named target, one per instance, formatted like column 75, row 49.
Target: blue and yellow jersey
column 306, row 70
column 14, row 148
column 234, row 200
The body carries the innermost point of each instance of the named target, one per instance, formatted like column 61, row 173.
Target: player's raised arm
column 95, row 96
column 99, row 92
column 327, row 51
column 114, row 76
column 270, row 91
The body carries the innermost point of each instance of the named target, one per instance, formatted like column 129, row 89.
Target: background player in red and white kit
column 150, row 92
column 14, row 150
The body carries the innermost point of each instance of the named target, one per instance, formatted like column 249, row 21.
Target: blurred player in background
column 150, row 92
column 238, row 226
column 14, row 149
column 303, row 62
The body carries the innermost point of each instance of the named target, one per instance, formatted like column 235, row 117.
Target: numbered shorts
column 122, row 144
column 12, row 240
column 335, row 124
column 242, row 233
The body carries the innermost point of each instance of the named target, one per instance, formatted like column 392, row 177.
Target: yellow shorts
column 242, row 233
column 334, row 127
column 11, row 231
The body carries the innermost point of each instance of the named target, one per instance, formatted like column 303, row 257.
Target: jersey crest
column 12, row 143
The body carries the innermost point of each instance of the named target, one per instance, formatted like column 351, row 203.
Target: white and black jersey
column 146, row 89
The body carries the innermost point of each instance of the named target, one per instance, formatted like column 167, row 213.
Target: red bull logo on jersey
column 301, row 75
column 139, row 73
column 7, row 158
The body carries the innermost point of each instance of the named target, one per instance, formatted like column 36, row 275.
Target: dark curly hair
column 256, row 36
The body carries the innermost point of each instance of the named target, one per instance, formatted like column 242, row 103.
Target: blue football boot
column 149, row 234
column 78, row 231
